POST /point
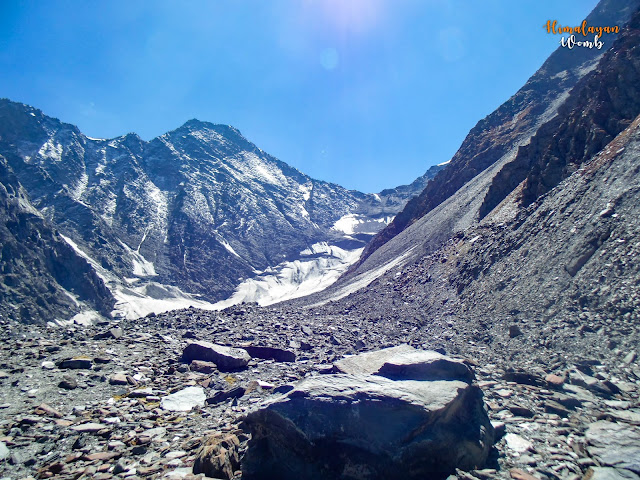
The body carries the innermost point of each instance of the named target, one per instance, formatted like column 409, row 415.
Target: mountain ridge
column 198, row 199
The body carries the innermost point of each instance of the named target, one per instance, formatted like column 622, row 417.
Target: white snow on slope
column 51, row 150
column 306, row 190
column 226, row 245
column 153, row 297
column 251, row 167
column 354, row 223
column 320, row 266
column 134, row 302
column 141, row 266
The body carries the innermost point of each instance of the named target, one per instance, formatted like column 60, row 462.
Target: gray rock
column 4, row 451
column 366, row 426
column 184, row 400
column 202, row 366
column 118, row 379
column 523, row 378
column 629, row 416
column 226, row 358
column 517, row 443
column 90, row 427
column 114, row 333
column 270, row 353
column 514, row 331
column 235, row 392
column 76, row 363
column 607, row 473
column 407, row 363
column 68, row 383
column 218, row 457
column 614, row 445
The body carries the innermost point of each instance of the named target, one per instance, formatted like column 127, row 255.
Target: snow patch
column 86, row 318
column 136, row 302
column 141, row 266
column 444, row 163
column 51, row 150
column 320, row 266
column 306, row 191
column 80, row 187
column 353, row 223
column 226, row 245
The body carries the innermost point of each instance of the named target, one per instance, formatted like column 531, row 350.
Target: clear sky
column 364, row 93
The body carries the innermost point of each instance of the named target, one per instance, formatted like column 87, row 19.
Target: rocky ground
column 103, row 415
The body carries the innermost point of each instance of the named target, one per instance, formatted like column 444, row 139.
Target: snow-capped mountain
column 195, row 216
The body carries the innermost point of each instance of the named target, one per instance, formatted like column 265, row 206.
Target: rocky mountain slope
column 187, row 217
column 60, row 280
column 480, row 173
column 493, row 140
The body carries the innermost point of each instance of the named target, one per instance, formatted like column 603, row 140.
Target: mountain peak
column 195, row 124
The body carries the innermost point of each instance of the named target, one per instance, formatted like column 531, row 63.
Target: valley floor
column 558, row 413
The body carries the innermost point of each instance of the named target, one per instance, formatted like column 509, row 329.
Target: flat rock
column 523, row 378
column 118, row 379
column 226, row 358
column 76, row 363
column 517, row 443
column 406, row 363
column 518, row 474
column 614, row 444
column 629, row 416
column 114, row 333
column 184, row 400
column 221, row 396
column 44, row 409
column 608, row 473
column 368, row 426
column 554, row 381
column 90, row 427
column 4, row 451
column 370, row 362
column 270, row 353
column 202, row 366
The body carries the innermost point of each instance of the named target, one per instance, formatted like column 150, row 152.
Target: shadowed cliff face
column 599, row 107
column 511, row 124
column 41, row 276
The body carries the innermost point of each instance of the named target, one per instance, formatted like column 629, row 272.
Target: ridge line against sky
column 367, row 94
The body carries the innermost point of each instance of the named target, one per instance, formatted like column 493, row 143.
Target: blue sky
column 364, row 93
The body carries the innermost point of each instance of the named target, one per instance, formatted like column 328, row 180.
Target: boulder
column 218, row 456
column 363, row 426
column 614, row 445
column 270, row 353
column 408, row 363
column 226, row 358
